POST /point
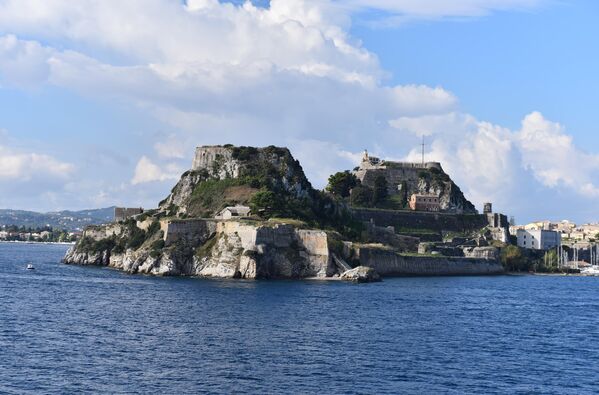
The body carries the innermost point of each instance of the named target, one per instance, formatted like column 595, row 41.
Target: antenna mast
column 423, row 150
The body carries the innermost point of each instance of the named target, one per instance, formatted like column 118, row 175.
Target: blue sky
column 103, row 103
column 505, row 65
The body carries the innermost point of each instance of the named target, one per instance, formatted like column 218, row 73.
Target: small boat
column 30, row 267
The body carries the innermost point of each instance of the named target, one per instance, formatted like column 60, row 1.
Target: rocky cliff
column 225, row 249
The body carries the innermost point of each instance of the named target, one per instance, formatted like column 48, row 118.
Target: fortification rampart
column 422, row 220
column 389, row 263
column 196, row 230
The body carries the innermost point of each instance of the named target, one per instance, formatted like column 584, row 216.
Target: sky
column 102, row 102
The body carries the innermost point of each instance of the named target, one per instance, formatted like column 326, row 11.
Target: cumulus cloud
column 551, row 155
column 19, row 166
column 147, row 171
column 22, row 63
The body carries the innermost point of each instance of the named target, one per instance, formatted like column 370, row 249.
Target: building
column 488, row 208
column 233, row 212
column 424, row 202
column 538, row 239
column 123, row 214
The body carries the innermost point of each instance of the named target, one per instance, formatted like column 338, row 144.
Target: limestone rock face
column 236, row 250
column 281, row 251
column 217, row 161
column 361, row 274
column 181, row 193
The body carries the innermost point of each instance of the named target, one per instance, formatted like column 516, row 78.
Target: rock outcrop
column 361, row 274
column 226, row 175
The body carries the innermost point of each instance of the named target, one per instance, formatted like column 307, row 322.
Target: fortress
column 408, row 178
column 395, row 172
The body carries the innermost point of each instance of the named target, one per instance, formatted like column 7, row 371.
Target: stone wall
column 388, row 263
column 422, row 220
column 194, row 230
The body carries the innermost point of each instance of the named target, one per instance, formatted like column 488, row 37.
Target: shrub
column 136, row 238
column 361, row 196
column 267, row 203
column 341, row 183
column 380, row 191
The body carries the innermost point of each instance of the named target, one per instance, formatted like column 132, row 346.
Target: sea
column 71, row 329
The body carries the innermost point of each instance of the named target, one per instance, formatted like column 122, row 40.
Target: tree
column 512, row 259
column 403, row 194
column 341, row 183
column 380, row 191
column 265, row 202
column 361, row 196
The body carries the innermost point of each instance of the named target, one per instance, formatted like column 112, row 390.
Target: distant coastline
column 37, row 242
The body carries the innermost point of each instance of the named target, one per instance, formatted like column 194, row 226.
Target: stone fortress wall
column 421, row 219
column 394, row 172
column 217, row 161
column 389, row 263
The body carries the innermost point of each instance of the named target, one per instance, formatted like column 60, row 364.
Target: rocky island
column 245, row 212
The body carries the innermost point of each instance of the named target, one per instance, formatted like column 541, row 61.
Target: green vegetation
column 157, row 247
column 205, row 249
column 266, row 203
column 133, row 238
column 91, row 246
column 45, row 234
column 380, row 191
column 361, row 196
column 516, row 259
column 211, row 196
column 341, row 183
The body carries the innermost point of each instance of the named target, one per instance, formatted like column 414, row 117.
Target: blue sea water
column 70, row 329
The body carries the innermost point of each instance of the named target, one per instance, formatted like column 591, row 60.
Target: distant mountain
column 68, row 220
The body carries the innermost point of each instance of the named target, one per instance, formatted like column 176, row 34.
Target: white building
column 233, row 212
column 538, row 239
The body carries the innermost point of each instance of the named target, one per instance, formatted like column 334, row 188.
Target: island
column 251, row 213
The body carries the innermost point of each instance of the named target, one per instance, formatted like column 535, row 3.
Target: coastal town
column 13, row 233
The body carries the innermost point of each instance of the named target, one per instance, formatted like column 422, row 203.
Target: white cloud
column 22, row 63
column 147, row 171
column 553, row 158
column 16, row 166
column 172, row 148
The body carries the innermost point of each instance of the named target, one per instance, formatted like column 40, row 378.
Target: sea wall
column 389, row 263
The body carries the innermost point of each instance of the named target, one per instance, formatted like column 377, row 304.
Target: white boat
column 30, row 267
column 590, row 271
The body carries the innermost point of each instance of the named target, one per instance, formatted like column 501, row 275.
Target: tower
column 488, row 208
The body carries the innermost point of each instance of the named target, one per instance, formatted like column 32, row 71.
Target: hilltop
column 64, row 220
